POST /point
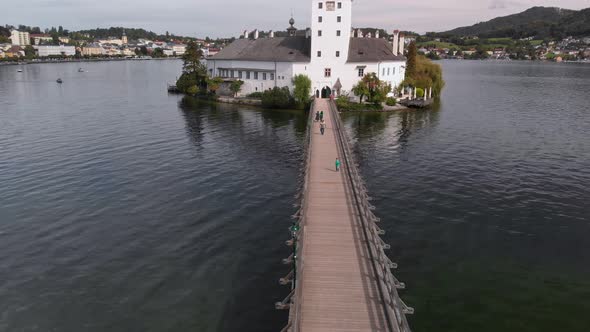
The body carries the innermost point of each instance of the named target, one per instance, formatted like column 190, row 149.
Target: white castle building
column 331, row 54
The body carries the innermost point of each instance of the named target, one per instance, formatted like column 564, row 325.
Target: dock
column 341, row 279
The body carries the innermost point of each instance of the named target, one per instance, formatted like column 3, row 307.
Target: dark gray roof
column 371, row 50
column 283, row 49
column 297, row 49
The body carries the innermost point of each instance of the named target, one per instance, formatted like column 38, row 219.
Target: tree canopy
column 302, row 90
column 373, row 88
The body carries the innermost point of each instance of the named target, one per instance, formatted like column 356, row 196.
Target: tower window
column 320, row 5
column 319, row 33
column 383, row 71
column 388, row 71
column 361, row 72
column 247, row 75
column 272, row 76
column 337, row 54
column 255, row 75
column 339, row 19
column 320, row 19
column 319, row 54
column 338, row 33
column 340, row 5
column 328, row 72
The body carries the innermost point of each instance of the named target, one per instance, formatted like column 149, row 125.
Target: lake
column 123, row 208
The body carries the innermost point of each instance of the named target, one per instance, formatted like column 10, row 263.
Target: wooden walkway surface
column 339, row 291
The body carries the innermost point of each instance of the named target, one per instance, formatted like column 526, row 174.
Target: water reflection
column 394, row 129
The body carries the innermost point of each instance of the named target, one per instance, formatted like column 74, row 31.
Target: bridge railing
column 394, row 308
column 296, row 242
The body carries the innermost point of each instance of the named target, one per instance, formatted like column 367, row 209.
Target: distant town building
column 14, row 52
column 124, row 38
column 111, row 41
column 53, row 50
column 20, row 38
column 38, row 38
column 64, row 40
column 178, row 49
column 92, row 50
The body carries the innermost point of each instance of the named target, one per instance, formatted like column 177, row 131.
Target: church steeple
column 292, row 30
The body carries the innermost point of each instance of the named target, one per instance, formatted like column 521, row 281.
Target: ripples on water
column 126, row 209
column 485, row 200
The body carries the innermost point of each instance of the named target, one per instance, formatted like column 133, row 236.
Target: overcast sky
column 220, row 18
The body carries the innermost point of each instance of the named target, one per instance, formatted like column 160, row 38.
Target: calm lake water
column 123, row 208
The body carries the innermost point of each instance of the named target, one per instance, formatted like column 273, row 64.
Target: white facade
column 179, row 49
column 258, row 76
column 20, row 38
column 329, row 62
column 51, row 50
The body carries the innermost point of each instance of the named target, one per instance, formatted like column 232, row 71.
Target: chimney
column 377, row 34
column 245, row 34
column 255, row 34
column 271, row 34
column 395, row 42
column 402, row 44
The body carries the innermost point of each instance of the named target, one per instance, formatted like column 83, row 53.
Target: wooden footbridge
column 341, row 278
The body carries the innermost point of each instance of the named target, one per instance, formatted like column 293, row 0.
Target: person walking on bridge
column 317, row 116
column 337, row 165
column 321, row 115
column 322, row 127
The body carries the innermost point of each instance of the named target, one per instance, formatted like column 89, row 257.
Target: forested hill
column 539, row 22
column 132, row 34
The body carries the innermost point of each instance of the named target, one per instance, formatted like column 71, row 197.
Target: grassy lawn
column 536, row 42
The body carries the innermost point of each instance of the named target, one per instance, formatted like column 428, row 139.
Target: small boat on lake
column 59, row 81
column 80, row 70
column 20, row 70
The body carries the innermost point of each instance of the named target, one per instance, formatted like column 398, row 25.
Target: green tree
column 192, row 64
column 427, row 74
column 411, row 64
column 373, row 88
column 236, row 86
column 361, row 89
column 29, row 52
column 158, row 53
column 302, row 90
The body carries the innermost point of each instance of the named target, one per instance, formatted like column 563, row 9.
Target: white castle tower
column 331, row 23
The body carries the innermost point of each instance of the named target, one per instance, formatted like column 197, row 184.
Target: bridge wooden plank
column 339, row 291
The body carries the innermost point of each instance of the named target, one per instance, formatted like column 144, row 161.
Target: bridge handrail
column 297, row 235
column 395, row 309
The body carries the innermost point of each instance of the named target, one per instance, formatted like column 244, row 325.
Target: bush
column 419, row 92
column 390, row 102
column 255, row 95
column 185, row 82
column 193, row 90
column 278, row 98
column 344, row 104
